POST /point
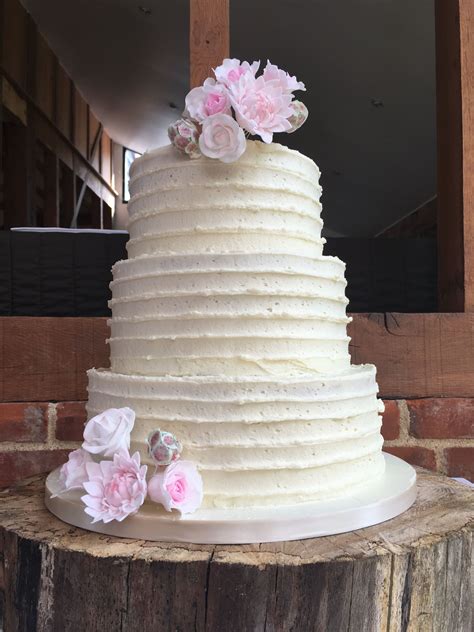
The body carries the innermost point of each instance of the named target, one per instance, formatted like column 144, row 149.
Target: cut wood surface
column 208, row 37
column 408, row 574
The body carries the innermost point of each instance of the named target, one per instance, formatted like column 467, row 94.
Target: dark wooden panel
column 45, row 359
column 208, row 37
column 106, row 162
column 14, row 41
column 17, row 175
column 45, row 77
column 64, row 102
column 93, row 130
column 67, row 195
column 51, row 189
column 455, row 134
column 80, row 123
column 417, row 355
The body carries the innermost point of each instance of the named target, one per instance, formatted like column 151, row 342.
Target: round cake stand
column 385, row 498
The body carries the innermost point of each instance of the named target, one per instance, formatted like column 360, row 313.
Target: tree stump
column 410, row 573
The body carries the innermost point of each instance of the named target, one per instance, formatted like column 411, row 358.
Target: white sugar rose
column 109, row 432
column 222, row 138
column 73, row 473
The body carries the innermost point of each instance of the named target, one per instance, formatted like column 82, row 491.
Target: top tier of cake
column 266, row 202
column 226, row 274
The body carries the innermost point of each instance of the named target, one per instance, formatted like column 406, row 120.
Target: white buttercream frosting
column 228, row 329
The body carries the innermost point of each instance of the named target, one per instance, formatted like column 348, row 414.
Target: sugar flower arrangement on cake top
column 219, row 113
column 117, row 488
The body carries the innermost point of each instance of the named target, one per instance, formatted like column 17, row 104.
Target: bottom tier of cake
column 258, row 441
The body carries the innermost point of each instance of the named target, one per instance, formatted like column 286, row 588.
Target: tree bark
column 411, row 573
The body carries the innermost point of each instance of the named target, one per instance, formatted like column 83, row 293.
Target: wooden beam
column 47, row 358
column 209, row 37
column 416, row 355
column 455, row 133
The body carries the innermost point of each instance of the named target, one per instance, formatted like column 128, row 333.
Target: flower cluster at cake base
column 236, row 101
column 117, row 487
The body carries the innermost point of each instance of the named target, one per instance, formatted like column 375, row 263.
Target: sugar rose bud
column 299, row 116
column 164, row 448
column 184, row 135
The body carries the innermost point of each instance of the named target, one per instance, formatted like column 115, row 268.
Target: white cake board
column 385, row 498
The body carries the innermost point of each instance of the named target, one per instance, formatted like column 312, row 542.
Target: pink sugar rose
column 232, row 69
column 287, row 83
column 262, row 107
column 179, row 487
column 115, row 489
column 109, row 432
column 206, row 100
column 73, row 473
column 222, row 138
column 299, row 116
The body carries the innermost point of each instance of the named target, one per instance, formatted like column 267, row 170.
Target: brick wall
column 36, row 437
column 434, row 433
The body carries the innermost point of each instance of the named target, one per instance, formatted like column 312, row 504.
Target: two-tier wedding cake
column 231, row 399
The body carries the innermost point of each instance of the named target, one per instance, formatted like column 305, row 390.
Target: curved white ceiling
column 368, row 65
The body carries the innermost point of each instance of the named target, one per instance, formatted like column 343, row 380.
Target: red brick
column 391, row 420
column 460, row 462
column 16, row 466
column 71, row 417
column 442, row 418
column 416, row 455
column 23, row 422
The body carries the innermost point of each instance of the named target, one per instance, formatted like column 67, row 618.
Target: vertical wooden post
column 455, row 129
column 17, row 175
column 51, row 188
column 209, row 37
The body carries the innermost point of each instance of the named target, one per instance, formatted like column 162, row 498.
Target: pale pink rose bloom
column 115, row 489
column 109, row 432
column 232, row 69
column 287, row 83
column 299, row 116
column 179, row 487
column 262, row 107
column 206, row 100
column 73, row 473
column 222, row 138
